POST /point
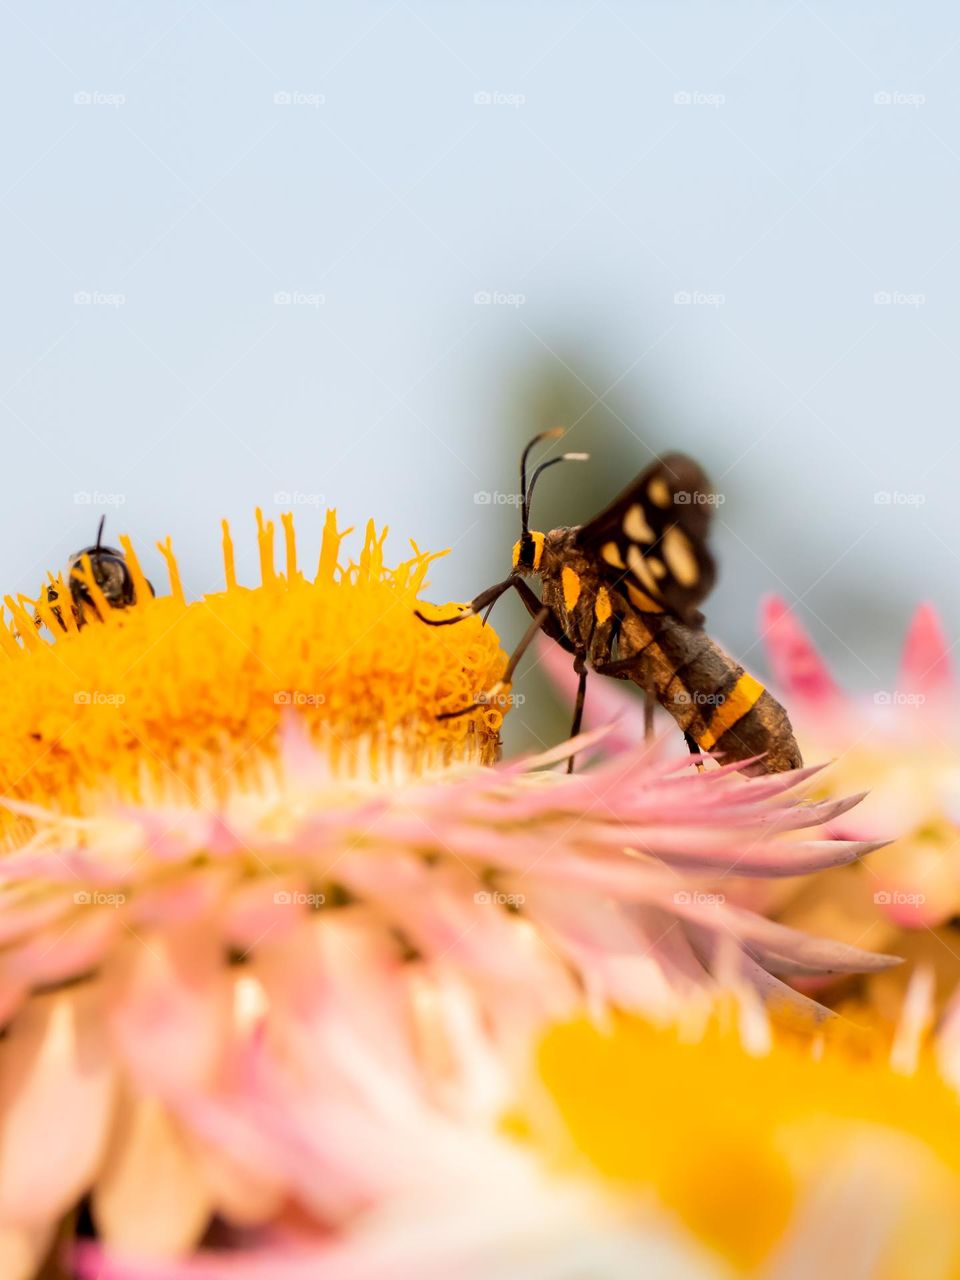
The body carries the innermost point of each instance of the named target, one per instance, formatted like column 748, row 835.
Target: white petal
column 151, row 1197
column 56, row 1092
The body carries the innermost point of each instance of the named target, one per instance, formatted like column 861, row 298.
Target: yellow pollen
column 174, row 694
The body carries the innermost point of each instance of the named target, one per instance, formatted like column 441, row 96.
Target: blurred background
column 354, row 255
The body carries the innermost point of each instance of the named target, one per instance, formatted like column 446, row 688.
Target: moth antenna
column 551, row 462
column 103, row 521
column 554, row 433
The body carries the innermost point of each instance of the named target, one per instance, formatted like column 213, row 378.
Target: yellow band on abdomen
column 741, row 698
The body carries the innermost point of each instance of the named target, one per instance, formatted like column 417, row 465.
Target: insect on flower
column 107, row 568
column 621, row 593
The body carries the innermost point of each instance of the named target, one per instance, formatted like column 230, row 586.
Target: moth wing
column 650, row 541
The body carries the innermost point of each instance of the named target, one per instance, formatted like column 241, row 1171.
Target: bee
column 111, row 574
column 621, row 595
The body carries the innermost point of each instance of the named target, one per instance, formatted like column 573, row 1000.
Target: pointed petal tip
column 865, row 847
column 798, row 667
column 925, row 663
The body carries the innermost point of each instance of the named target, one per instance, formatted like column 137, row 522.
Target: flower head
column 190, row 697
column 202, row 877
column 605, row 1154
column 804, row 1156
column 899, row 744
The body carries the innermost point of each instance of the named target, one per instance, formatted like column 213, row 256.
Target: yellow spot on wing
column 571, row 587
column 642, row 601
column 641, row 569
column 635, row 525
column 742, row 697
column 611, row 554
column 602, row 607
column 680, row 558
column 658, row 491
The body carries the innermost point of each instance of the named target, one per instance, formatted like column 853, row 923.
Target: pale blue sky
column 782, row 163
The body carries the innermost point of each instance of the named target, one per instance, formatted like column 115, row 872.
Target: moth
column 621, row 595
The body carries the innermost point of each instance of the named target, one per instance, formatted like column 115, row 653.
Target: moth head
column 528, row 552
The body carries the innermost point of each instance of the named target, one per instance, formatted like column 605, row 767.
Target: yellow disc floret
column 736, row 1142
column 175, row 694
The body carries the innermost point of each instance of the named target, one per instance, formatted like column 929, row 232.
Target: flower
column 612, row 1158
column 189, row 698
column 251, row 795
column 836, row 1155
column 899, row 744
column 391, row 1144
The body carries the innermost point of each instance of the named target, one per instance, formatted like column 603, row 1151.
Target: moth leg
column 649, row 706
column 476, row 605
column 489, row 695
column 694, row 750
column 622, row 669
column 580, row 667
column 533, row 605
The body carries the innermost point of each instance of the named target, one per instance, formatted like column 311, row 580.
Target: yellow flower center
column 181, row 694
column 736, row 1143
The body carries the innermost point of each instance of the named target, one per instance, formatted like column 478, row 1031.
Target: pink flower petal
column 925, row 666
column 798, row 668
column 169, row 1007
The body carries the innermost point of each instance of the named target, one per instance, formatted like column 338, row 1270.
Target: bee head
column 109, row 570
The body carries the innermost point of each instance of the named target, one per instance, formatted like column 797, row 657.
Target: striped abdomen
column 723, row 708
